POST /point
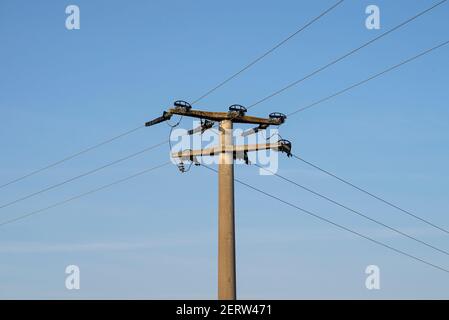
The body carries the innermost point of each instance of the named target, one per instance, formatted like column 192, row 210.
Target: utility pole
column 227, row 152
column 226, row 226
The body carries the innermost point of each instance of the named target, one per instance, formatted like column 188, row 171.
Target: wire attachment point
column 278, row 116
column 182, row 105
column 285, row 146
column 205, row 125
column 237, row 109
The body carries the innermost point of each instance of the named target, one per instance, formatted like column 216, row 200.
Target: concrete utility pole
column 226, row 226
column 227, row 153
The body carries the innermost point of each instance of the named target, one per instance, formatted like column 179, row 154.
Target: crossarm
column 188, row 154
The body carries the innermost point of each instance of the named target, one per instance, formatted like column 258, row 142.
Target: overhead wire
column 351, row 52
column 35, row 212
column 253, row 62
column 340, row 226
column 81, row 175
column 345, row 181
column 83, row 151
column 356, row 212
column 372, row 77
column 210, row 91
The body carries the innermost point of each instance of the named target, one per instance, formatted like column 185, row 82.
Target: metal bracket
column 241, row 156
column 205, row 125
column 285, row 146
column 165, row 116
column 254, row 130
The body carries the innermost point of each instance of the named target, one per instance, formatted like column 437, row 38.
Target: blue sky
column 155, row 236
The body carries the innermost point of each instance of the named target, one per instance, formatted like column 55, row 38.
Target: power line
column 249, row 65
column 82, row 195
column 197, row 100
column 336, row 224
column 147, row 149
column 346, row 55
column 355, row 211
column 54, row 164
column 371, row 194
column 82, row 175
column 210, row 91
column 352, row 87
column 369, row 78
